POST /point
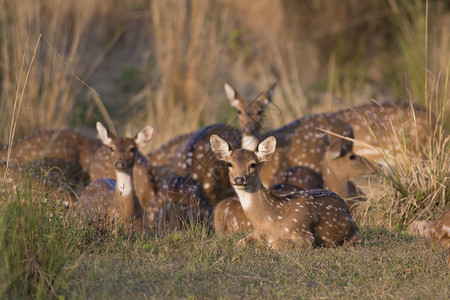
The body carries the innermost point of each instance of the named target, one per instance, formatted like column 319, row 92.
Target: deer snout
column 121, row 164
column 239, row 181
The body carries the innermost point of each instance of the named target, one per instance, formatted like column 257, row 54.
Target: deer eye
column 112, row 149
column 229, row 165
column 352, row 157
column 133, row 149
column 253, row 165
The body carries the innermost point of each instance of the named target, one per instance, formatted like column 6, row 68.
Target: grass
column 196, row 265
column 45, row 254
column 36, row 242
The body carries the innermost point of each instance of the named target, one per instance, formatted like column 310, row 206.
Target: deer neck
column 333, row 182
column 257, row 203
column 125, row 195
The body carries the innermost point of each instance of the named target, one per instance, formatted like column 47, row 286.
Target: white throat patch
column 245, row 198
column 124, row 183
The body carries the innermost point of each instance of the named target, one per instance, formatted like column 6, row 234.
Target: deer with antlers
column 438, row 231
column 301, row 219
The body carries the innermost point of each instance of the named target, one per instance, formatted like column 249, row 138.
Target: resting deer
column 66, row 150
column 195, row 161
column 250, row 113
column 145, row 181
column 388, row 126
column 438, row 231
column 300, row 143
column 340, row 164
column 116, row 199
column 161, row 158
column 302, row 219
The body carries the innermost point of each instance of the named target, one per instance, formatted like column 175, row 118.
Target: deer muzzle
column 121, row 164
column 239, row 181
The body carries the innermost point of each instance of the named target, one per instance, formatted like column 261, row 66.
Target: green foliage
column 36, row 243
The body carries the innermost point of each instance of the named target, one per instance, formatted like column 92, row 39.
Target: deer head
column 242, row 163
column 250, row 113
column 344, row 163
column 124, row 149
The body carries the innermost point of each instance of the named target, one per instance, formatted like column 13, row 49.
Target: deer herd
column 290, row 187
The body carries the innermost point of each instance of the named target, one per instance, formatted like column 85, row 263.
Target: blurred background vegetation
column 164, row 62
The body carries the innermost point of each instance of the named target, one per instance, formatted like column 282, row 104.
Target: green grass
column 37, row 240
column 194, row 265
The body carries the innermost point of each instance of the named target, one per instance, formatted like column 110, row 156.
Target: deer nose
column 120, row 164
column 239, row 181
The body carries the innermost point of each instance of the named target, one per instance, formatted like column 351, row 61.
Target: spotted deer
column 250, row 113
column 146, row 183
column 196, row 163
column 382, row 128
column 340, row 164
column 67, row 150
column 116, row 199
column 54, row 180
column 161, row 158
column 438, row 231
column 303, row 219
column 301, row 143
column 195, row 171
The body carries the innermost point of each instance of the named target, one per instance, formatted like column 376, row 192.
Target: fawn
column 340, row 164
column 116, row 199
column 195, row 160
column 302, row 219
column 438, row 231
column 145, row 180
column 389, row 127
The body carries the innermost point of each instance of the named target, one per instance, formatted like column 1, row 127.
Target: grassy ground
column 46, row 254
column 196, row 265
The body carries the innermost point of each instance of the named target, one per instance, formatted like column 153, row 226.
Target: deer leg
column 252, row 238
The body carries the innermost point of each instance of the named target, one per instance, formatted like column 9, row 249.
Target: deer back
column 386, row 125
column 301, row 144
column 196, row 161
column 161, row 158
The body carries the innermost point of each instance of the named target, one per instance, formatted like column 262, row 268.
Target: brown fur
column 116, row 200
column 301, row 144
column 437, row 231
column 386, row 124
column 302, row 219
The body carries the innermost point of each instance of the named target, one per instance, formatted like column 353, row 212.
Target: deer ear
column 220, row 147
column 232, row 96
column 144, row 136
column 266, row 148
column 339, row 148
column 105, row 136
